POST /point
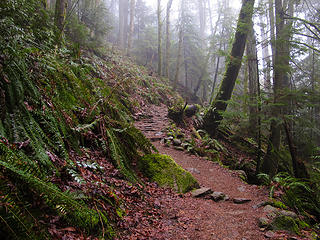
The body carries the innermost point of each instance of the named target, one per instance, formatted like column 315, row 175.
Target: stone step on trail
column 201, row 192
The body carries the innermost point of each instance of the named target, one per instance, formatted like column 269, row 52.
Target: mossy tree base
column 166, row 172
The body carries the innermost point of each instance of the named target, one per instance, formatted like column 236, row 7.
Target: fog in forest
column 113, row 111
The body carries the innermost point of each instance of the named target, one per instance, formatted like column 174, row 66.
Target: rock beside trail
column 263, row 222
column 217, row 196
column 193, row 170
column 284, row 223
column 269, row 234
column 166, row 172
column 241, row 200
column 278, row 219
column 201, row 192
column 273, row 212
column 176, row 142
column 270, row 211
column 288, row 213
column 259, row 205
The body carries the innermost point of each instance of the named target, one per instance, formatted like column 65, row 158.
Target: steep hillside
column 67, row 143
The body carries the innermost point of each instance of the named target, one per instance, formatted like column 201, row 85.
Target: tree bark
column 266, row 59
column 60, row 18
column 159, row 38
column 213, row 117
column 215, row 78
column 281, row 66
column 123, row 23
column 272, row 31
column 176, row 78
column 131, row 28
column 202, row 18
column 253, row 79
column 168, row 45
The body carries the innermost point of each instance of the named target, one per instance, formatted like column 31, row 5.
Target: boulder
column 166, row 172
column 217, row 196
column 176, row 142
column 270, row 211
column 263, row 222
column 288, row 213
column 201, row 192
column 284, row 223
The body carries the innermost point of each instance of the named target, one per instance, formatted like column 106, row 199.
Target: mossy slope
column 166, row 172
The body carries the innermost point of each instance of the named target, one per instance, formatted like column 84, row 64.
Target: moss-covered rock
column 285, row 223
column 166, row 172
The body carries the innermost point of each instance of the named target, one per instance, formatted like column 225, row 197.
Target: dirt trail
column 193, row 218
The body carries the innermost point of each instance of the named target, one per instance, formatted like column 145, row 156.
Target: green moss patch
column 285, row 223
column 166, row 172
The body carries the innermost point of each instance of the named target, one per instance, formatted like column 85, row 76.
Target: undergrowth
column 53, row 103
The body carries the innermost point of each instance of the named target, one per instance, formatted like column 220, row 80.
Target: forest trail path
column 202, row 219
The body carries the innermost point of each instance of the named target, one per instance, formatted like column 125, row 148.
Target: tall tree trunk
column 272, row 31
column 60, row 18
column 281, row 66
column 123, row 23
column 169, row 4
column 215, row 78
column 188, row 83
column 130, row 37
column 125, row 20
column 266, row 60
column 253, row 76
column 213, row 117
column 202, row 17
column 210, row 16
column 176, row 78
column 159, row 38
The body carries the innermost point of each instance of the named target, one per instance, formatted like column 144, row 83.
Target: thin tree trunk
column 125, row 25
column 60, row 18
column 205, row 66
column 215, row 78
column 176, row 78
column 169, row 4
column 253, row 76
column 186, row 66
column 159, row 39
column 210, row 16
column 202, row 17
column 246, row 107
column 272, row 31
column 121, row 24
column 213, row 117
column 130, row 37
column 266, row 60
